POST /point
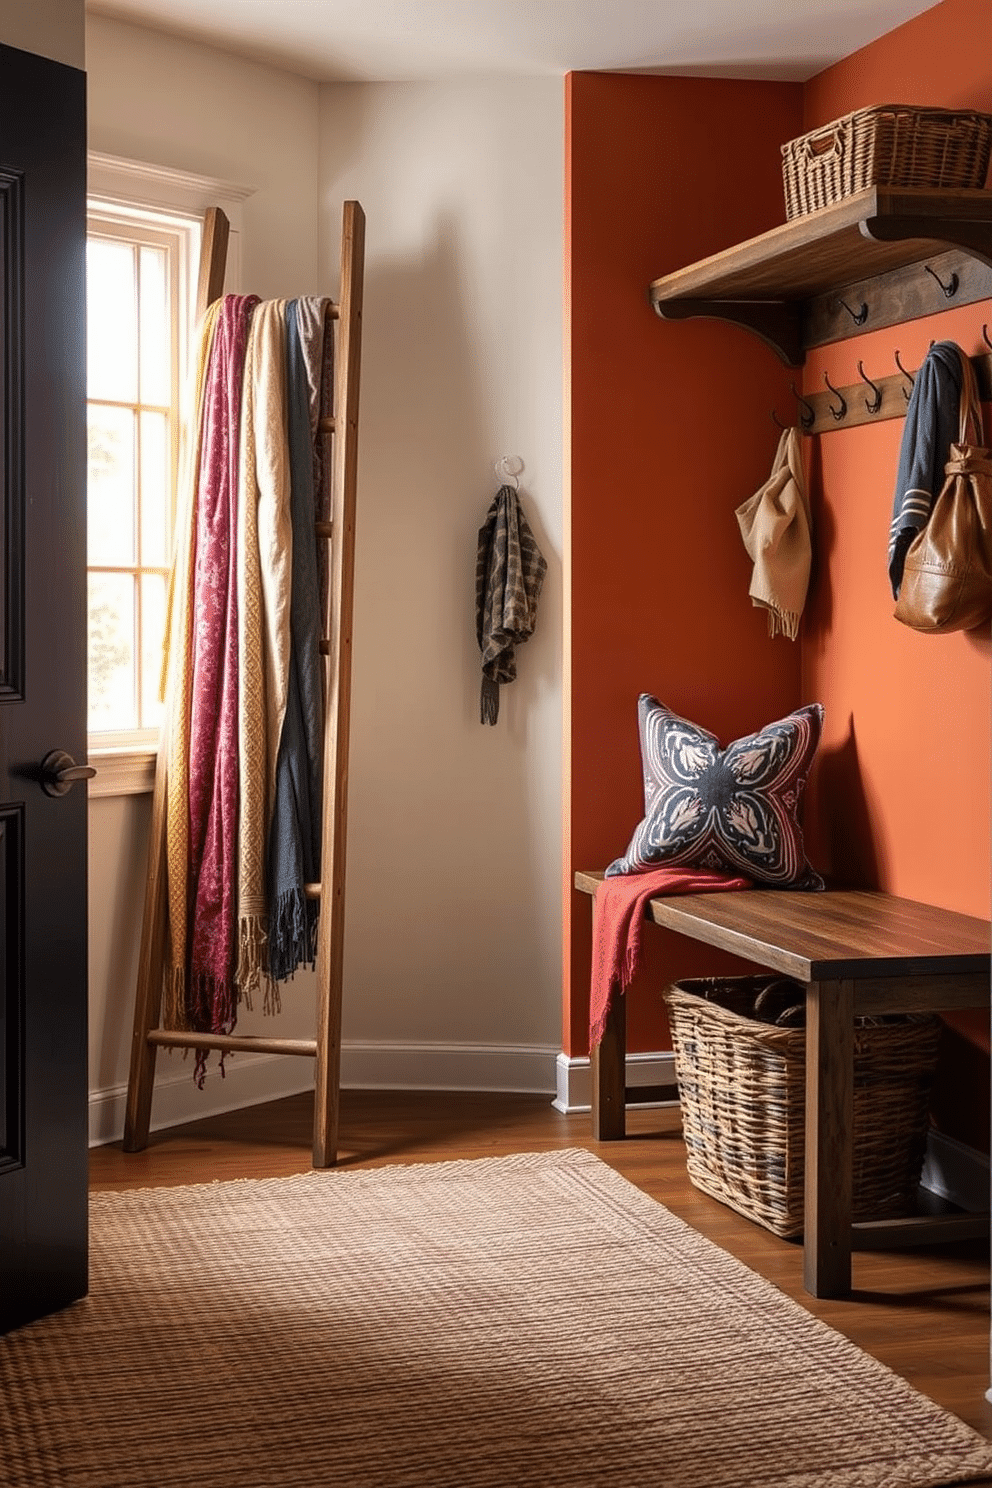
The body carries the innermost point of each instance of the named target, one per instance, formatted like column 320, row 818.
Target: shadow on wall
column 447, row 794
column 843, row 843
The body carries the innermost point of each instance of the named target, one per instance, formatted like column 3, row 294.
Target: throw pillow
column 733, row 810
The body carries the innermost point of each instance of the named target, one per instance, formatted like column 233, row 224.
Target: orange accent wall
column 900, row 799
column 668, row 430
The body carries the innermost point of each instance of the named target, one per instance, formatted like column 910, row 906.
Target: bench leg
column 608, row 1064
column 829, row 1145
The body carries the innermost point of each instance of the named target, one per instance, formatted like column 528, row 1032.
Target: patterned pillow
column 733, row 810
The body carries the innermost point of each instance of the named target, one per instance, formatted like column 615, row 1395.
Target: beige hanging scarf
column 777, row 530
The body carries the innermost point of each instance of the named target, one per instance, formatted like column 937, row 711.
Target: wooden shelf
column 850, row 268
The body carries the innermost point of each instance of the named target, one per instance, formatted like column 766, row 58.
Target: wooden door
column 43, row 1081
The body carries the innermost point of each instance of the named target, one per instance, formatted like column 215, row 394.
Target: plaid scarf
column 509, row 572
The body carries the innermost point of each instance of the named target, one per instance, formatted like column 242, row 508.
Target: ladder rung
column 327, row 424
column 232, row 1042
column 312, row 891
column 324, row 529
column 333, row 311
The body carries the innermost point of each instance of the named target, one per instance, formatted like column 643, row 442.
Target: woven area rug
column 524, row 1320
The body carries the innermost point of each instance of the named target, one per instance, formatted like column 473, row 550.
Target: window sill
column 122, row 772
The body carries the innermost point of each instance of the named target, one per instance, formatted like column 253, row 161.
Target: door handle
column 59, row 772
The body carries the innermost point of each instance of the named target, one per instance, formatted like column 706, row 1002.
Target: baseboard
column 956, row 1172
column 574, row 1078
column 369, row 1065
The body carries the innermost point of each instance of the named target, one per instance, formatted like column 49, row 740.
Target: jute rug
column 513, row 1321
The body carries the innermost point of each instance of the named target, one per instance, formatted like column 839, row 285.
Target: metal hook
column 909, row 377
column 807, row 418
column 838, row 413
column 858, row 316
column 778, row 422
column 951, row 289
column 873, row 404
column 508, row 467
column 985, row 337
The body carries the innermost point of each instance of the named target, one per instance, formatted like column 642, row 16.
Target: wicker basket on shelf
column 888, row 145
column 742, row 1085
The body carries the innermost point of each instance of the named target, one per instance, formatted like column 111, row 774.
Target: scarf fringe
column 292, row 934
column 251, row 971
column 783, row 622
column 489, row 701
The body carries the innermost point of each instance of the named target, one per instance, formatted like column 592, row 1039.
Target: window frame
column 133, row 192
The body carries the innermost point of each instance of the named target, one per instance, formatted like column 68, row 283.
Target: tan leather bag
column 947, row 579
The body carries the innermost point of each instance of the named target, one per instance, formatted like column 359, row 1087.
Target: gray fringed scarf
column 509, row 572
column 293, row 856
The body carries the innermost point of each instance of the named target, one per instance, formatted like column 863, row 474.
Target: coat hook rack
column 875, row 403
column 838, row 413
column 950, row 288
column 908, row 376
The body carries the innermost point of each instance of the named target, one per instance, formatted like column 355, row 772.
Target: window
column 140, row 275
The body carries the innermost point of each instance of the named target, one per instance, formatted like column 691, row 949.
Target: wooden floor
column 924, row 1313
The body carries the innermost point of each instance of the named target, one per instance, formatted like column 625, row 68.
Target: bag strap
column 971, row 411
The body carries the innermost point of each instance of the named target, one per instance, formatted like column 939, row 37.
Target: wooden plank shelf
column 847, row 269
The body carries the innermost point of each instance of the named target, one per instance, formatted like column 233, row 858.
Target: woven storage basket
column 889, row 145
column 742, row 1085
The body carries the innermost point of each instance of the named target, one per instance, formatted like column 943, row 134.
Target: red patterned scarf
column 211, row 997
column 617, row 921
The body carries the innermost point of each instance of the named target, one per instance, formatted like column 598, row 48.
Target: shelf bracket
column 777, row 322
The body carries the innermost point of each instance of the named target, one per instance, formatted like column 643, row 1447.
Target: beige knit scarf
column 777, row 529
column 177, row 683
column 264, row 567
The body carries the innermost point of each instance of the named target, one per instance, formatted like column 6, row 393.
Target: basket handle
column 824, row 144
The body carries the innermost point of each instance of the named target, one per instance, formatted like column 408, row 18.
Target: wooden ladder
column 325, row 1048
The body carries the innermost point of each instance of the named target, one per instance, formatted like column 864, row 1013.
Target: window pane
column 154, row 490
column 111, row 319
column 110, row 491
column 152, row 627
column 156, row 364
column 111, row 652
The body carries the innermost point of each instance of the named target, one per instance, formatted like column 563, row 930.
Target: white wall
column 50, row 28
column 454, row 891
column 453, row 960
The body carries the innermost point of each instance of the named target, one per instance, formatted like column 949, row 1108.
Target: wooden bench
column 857, row 952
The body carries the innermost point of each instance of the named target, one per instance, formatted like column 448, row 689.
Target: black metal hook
column 872, row 404
column 807, row 418
column 858, row 316
column 778, row 422
column 909, row 377
column 985, row 337
column 950, row 289
column 838, row 413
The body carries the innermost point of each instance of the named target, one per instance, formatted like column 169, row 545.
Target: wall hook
column 860, row 315
column 508, row 468
column 985, row 337
column 951, row 288
column 872, row 404
column 778, row 422
column 807, row 417
column 908, row 376
column 838, row 413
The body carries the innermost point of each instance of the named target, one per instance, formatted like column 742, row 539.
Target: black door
column 43, row 1083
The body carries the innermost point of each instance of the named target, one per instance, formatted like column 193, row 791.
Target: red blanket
column 617, row 918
